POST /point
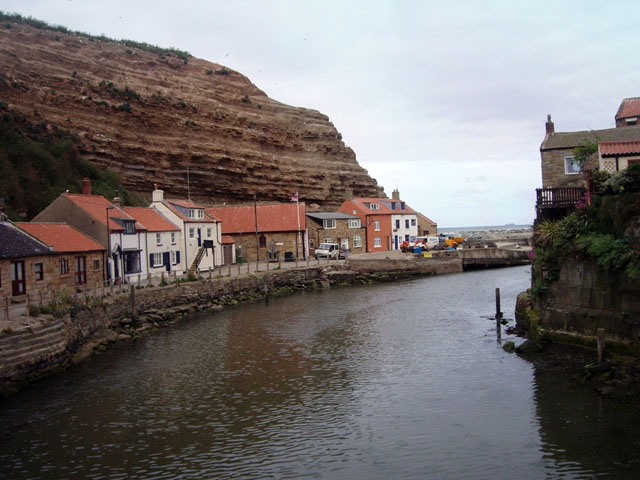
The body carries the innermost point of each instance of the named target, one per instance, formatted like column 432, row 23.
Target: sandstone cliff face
column 149, row 117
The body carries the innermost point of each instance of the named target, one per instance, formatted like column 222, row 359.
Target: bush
column 124, row 107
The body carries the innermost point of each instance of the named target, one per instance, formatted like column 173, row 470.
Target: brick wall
column 317, row 234
column 553, row 174
column 245, row 244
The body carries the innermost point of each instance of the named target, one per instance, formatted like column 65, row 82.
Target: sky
column 444, row 100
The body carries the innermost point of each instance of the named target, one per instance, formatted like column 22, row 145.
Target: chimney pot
column 86, row 186
column 395, row 194
column 549, row 126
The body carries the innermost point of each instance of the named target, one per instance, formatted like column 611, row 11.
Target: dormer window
column 129, row 226
column 195, row 213
column 374, row 206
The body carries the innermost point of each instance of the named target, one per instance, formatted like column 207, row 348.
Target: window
column 331, row 223
column 406, row 223
column 158, row 239
column 263, row 241
column 377, row 242
column 570, row 166
column 38, row 269
column 64, row 266
column 356, row 241
column 195, row 213
column 406, row 238
column 376, row 225
column 81, row 270
column 311, row 243
column 397, row 224
column 156, row 259
column 96, row 264
column 374, row 206
column 132, row 261
column 208, row 232
column 173, row 258
column 129, row 227
column 354, row 223
column 192, row 232
column 327, row 240
column 413, row 222
column 173, row 238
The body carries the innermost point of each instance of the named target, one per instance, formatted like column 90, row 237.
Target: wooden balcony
column 559, row 197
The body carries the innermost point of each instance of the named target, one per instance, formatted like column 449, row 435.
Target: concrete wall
column 586, row 298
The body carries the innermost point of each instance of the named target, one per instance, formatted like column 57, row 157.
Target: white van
column 328, row 250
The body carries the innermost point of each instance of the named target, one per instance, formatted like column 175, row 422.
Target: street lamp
column 110, row 207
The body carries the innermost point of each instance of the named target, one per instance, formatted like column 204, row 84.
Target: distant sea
column 508, row 226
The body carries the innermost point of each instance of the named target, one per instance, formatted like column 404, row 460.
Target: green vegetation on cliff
column 38, row 163
column 608, row 231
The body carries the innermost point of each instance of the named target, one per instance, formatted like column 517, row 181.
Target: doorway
column 18, row 284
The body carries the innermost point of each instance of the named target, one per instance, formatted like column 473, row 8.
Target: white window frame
column 173, row 257
column 570, row 166
column 192, row 233
column 329, row 223
column 354, row 223
column 156, row 256
column 327, row 240
column 357, row 241
column 374, row 206
column 158, row 239
column 376, row 225
column 209, row 230
column 173, row 238
column 377, row 242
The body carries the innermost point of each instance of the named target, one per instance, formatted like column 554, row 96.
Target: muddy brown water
column 396, row 381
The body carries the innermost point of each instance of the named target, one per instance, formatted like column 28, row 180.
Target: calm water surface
column 397, row 381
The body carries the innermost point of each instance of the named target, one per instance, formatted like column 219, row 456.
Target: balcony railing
column 559, row 197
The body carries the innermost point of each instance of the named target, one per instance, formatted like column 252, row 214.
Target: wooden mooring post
column 601, row 344
column 498, row 315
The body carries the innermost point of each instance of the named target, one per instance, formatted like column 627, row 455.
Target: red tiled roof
column 271, row 218
column 630, row 107
column 63, row 237
column 96, row 206
column 152, row 219
column 173, row 204
column 619, row 148
column 227, row 239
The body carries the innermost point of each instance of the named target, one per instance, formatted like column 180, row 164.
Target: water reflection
column 390, row 381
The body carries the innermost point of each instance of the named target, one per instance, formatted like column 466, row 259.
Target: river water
column 396, row 381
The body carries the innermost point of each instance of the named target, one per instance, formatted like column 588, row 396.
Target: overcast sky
column 444, row 100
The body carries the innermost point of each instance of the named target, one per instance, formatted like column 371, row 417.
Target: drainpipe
column 146, row 251
column 186, row 252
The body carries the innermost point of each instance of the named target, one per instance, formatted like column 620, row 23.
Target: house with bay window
column 164, row 245
column 336, row 227
column 200, row 232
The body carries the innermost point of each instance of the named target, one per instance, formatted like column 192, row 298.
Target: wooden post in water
column 498, row 312
column 132, row 292
column 601, row 344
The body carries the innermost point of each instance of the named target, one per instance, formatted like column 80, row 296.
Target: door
column 166, row 261
column 199, row 237
column 81, row 270
column 396, row 242
column 18, row 285
column 227, row 251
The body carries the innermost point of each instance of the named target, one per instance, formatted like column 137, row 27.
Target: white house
column 201, row 233
column 164, row 245
column 404, row 220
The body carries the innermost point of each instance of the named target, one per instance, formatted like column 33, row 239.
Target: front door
column 228, row 254
column 18, row 285
column 199, row 237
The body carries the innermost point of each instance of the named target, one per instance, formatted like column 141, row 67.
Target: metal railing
column 551, row 197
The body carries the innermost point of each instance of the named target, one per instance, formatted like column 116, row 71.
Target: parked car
column 328, row 250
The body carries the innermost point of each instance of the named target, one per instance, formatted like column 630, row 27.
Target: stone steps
column 33, row 356
column 27, row 336
column 35, row 343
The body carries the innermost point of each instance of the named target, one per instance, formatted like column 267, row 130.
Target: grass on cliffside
column 38, row 163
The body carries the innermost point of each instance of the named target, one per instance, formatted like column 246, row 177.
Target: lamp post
column 110, row 207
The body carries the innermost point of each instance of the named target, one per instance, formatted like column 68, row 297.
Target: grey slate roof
column 14, row 243
column 329, row 215
column 574, row 139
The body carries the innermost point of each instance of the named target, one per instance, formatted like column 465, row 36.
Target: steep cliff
column 150, row 116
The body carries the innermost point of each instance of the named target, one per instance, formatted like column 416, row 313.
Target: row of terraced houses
column 85, row 239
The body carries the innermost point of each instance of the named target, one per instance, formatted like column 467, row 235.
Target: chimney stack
column 86, row 186
column 117, row 201
column 157, row 195
column 549, row 126
column 395, row 194
column 348, row 193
